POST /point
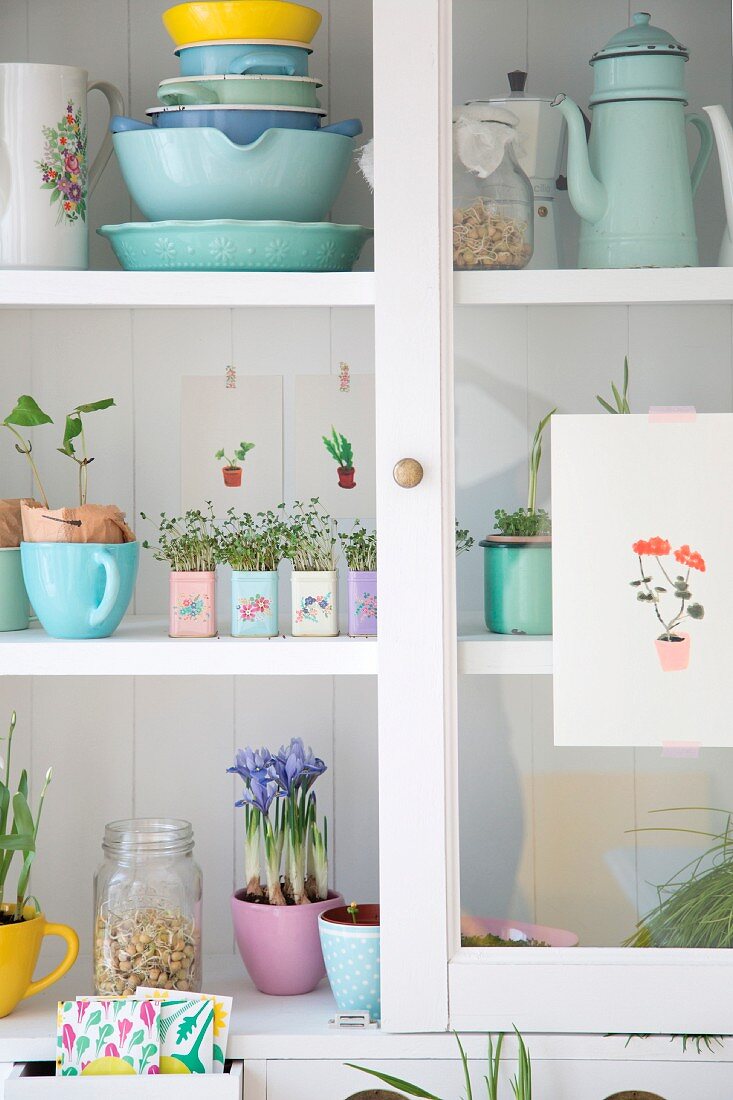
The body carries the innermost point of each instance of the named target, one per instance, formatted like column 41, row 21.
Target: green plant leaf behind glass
column 27, row 413
column 396, row 1083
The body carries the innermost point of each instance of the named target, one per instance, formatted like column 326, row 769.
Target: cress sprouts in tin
column 188, row 543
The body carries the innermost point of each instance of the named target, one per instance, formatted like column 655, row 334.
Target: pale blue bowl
column 199, row 174
column 243, row 58
column 79, row 590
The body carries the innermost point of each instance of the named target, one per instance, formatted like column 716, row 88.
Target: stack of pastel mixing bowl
column 235, row 170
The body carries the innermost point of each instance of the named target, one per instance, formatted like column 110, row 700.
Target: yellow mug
column 20, row 945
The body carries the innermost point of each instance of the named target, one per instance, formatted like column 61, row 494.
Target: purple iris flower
column 260, row 795
column 297, row 766
column 252, row 764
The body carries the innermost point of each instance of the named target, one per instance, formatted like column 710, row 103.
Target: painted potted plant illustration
column 232, row 471
column 518, row 561
column 22, row 924
column 285, row 869
column 80, row 562
column 360, row 550
column 254, row 546
column 190, row 546
column 312, row 550
column 673, row 644
column 342, row 453
column 350, row 943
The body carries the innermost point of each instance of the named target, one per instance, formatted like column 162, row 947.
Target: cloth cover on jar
column 481, row 132
column 100, row 523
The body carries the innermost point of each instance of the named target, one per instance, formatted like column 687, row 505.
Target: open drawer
column 37, row 1081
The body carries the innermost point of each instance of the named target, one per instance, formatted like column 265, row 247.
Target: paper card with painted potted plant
column 641, row 600
column 254, row 546
column 233, row 463
column 79, row 563
column 189, row 545
column 276, row 912
column 23, row 925
column 360, row 550
column 314, row 581
column 222, row 1007
column 518, row 561
column 113, row 1037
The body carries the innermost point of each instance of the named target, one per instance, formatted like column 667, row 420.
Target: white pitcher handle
column 116, row 107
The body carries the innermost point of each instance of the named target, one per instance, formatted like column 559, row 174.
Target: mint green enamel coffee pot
column 631, row 183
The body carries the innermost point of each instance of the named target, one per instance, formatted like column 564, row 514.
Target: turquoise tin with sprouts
column 518, row 584
column 254, row 604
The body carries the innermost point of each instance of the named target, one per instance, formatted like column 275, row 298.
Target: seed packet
column 107, row 1037
column 221, row 1021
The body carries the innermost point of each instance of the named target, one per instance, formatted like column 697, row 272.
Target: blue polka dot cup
column 350, row 944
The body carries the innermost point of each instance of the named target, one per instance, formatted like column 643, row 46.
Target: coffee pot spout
column 587, row 194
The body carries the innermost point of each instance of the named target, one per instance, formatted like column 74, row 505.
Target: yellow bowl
column 216, row 20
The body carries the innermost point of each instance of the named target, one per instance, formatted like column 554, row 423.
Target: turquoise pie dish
column 236, row 245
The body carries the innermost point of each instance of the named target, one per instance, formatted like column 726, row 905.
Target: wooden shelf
column 182, row 289
column 141, row 647
column 606, row 287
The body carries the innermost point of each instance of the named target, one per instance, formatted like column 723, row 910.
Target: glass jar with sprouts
column 147, row 908
column 493, row 201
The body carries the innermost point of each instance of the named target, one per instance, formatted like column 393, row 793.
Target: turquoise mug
column 80, row 590
column 13, row 596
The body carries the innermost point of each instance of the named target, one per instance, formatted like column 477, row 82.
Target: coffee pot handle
column 116, row 107
column 702, row 125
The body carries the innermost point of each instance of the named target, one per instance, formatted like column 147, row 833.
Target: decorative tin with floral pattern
column 254, row 604
column 362, row 602
column 315, row 603
column 192, row 605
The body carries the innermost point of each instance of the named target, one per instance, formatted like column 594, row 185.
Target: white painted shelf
column 182, row 289
column 684, row 285
column 141, row 647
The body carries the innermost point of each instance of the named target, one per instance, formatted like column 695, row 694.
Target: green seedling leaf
column 27, row 413
column 95, row 406
column 71, row 431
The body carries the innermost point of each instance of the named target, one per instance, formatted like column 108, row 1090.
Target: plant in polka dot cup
column 312, row 550
column 254, row 546
column 276, row 913
column 350, row 943
column 189, row 544
column 360, row 550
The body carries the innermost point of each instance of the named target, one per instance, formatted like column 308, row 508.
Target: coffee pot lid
column 641, row 38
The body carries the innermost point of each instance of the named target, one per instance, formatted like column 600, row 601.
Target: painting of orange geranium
column 671, row 599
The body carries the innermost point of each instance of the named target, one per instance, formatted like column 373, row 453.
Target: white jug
column 724, row 138
column 45, row 177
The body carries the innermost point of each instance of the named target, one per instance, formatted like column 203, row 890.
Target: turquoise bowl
column 236, row 245
column 79, row 590
column 197, row 173
column 244, row 57
column 518, row 585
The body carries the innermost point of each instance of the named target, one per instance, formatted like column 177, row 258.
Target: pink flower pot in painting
column 674, row 656
column 192, row 611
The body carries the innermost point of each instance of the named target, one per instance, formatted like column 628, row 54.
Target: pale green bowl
column 243, row 91
column 236, row 245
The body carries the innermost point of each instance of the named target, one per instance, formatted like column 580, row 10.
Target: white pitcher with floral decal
column 45, row 175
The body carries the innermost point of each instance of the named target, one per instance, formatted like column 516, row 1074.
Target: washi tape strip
column 344, row 377
column 672, row 414
column 231, row 378
column 681, row 750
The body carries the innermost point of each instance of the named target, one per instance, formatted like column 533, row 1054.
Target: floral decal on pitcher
column 64, row 166
column 313, row 607
column 673, row 644
column 252, row 609
column 193, row 607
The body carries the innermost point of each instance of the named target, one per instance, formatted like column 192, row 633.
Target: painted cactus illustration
column 673, row 644
column 342, row 453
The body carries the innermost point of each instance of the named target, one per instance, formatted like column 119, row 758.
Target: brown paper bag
column 11, row 527
column 103, row 523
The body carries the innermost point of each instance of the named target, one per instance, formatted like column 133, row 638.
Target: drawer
column 37, row 1081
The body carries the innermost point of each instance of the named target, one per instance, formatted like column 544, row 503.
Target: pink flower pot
column 192, row 612
column 280, row 944
column 674, row 656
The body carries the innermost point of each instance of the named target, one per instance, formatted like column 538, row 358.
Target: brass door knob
column 408, row 473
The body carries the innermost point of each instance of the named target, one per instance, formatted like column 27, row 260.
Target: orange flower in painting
column 691, row 558
column 657, row 547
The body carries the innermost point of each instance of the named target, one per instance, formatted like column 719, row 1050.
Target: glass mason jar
column 493, row 201
column 147, row 908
